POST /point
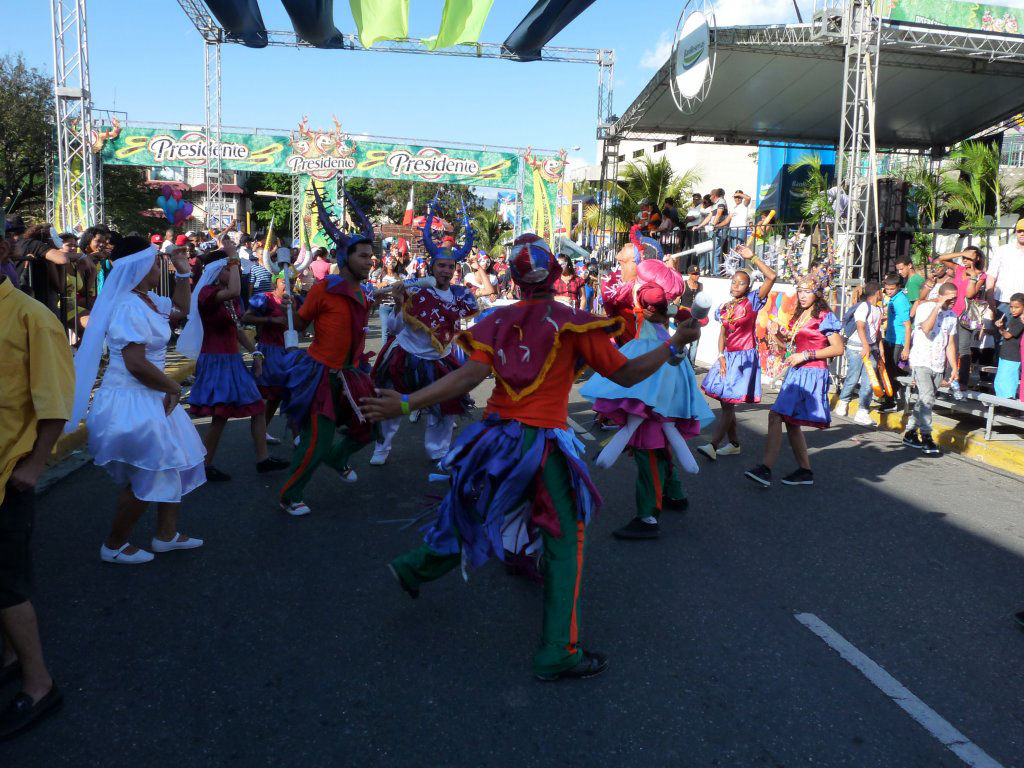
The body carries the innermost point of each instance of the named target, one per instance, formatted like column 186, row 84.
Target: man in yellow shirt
column 37, row 388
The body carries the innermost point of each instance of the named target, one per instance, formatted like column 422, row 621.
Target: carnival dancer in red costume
column 518, row 480
column 420, row 348
column 269, row 313
column 324, row 385
column 812, row 338
column 224, row 388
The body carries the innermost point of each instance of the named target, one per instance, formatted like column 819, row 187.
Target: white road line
column 579, row 430
column 931, row 720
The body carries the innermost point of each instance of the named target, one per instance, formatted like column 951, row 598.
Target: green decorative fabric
column 379, row 20
column 462, row 21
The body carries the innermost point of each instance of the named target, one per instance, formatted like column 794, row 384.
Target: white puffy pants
column 437, row 438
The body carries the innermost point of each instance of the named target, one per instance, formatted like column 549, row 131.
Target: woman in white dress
column 137, row 431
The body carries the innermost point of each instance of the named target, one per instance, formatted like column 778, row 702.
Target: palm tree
column 813, row 190
column 490, row 233
column 646, row 179
column 977, row 167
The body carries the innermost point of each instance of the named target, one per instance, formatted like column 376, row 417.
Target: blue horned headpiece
column 343, row 241
column 436, row 252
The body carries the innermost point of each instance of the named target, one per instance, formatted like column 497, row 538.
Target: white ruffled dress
column 130, row 436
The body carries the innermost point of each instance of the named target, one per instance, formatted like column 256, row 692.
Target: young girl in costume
column 735, row 377
column 658, row 414
column 269, row 313
column 137, row 431
column 813, row 337
column 223, row 388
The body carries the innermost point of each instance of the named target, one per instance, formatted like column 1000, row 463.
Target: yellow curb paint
column 1001, row 454
column 75, row 440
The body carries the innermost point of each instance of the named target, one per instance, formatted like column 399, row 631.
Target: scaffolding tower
column 75, row 202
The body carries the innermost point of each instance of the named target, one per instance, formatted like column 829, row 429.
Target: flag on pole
column 407, row 218
column 380, row 20
column 462, row 21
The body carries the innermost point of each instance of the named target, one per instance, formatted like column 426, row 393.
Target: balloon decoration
column 175, row 209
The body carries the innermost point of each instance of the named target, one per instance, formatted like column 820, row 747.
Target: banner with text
column 954, row 13
column 321, row 155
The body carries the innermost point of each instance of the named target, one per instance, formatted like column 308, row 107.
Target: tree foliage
column 265, row 209
column 26, row 133
column 645, row 179
column 490, row 233
column 125, row 196
column 813, row 190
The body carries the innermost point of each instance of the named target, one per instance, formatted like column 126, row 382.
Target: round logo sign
column 691, row 52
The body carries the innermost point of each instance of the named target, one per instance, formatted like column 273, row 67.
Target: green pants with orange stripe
column 561, row 566
column 657, row 479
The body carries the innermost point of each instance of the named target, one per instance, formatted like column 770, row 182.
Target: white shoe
column 108, row 555
column 271, row 440
column 841, row 408
column 729, row 450
column 862, row 418
column 348, row 475
column 415, row 416
column 296, row 508
column 380, row 456
column 708, row 450
column 175, row 543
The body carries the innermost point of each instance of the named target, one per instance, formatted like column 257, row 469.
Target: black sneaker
column 409, row 589
column 271, row 464
column 214, row 475
column 888, row 408
column 800, row 477
column 677, row 505
column 591, row 665
column 638, row 529
column 761, row 475
column 929, row 447
column 911, row 440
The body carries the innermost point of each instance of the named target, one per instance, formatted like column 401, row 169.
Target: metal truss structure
column 76, row 202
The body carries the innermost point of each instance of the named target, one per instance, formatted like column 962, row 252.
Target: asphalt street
column 284, row 642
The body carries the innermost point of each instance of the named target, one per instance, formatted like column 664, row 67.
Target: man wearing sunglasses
column 1006, row 271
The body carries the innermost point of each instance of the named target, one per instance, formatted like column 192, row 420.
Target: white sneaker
column 862, row 418
column 348, row 475
column 158, row 545
column 296, row 508
column 729, row 450
column 271, row 440
column 841, row 408
column 380, row 456
column 108, row 555
column 415, row 416
column 708, row 450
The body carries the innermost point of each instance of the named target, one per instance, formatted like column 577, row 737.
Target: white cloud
column 654, row 57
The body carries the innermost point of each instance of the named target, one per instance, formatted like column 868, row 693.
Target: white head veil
column 190, row 341
column 127, row 273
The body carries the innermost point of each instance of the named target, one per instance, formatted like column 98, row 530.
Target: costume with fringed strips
column 518, row 480
column 420, row 348
column 324, row 385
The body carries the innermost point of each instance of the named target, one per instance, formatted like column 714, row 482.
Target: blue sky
column 146, row 59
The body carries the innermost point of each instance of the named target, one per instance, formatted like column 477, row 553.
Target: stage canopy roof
column 936, row 86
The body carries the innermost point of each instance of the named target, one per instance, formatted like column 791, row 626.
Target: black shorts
column 17, row 518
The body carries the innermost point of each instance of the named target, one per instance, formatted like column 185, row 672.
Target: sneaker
column 729, row 449
column 271, row 464
column 760, row 474
column 800, row 477
column 271, row 440
column 409, row 589
column 889, row 407
column 841, row 408
column 637, row 529
column 591, row 665
column 862, row 418
column 348, row 475
column 415, row 416
column 708, row 450
column 380, row 456
column 22, row 713
column 911, row 440
column 929, row 447
column 295, row 508
column 214, row 475
column 677, row 505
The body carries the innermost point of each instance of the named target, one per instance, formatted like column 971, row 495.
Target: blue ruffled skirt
column 497, row 500
column 276, row 363
column 742, row 382
column 224, row 387
column 803, row 398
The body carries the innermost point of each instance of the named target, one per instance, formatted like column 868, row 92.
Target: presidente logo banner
column 320, row 154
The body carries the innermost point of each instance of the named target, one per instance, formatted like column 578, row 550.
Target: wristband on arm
column 405, row 405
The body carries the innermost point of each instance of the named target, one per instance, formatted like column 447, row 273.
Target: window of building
column 621, row 158
column 659, row 147
column 638, row 153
